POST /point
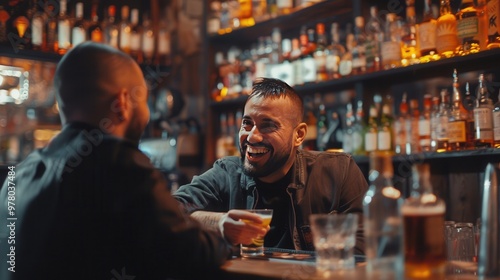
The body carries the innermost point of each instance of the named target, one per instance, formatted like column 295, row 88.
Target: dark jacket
column 91, row 206
column 323, row 182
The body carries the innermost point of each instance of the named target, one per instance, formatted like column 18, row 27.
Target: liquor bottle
column 424, row 125
column 272, row 8
column 358, row 50
column 276, row 55
column 233, row 7
column 446, row 31
column 347, row 140
column 334, row 53
column 374, row 38
column 311, row 121
column 483, row 116
column 358, row 145
column 383, row 225
column 320, row 53
column 245, row 13
column 322, row 127
column 434, row 122
column 39, row 30
column 148, row 39
column 95, row 30
column 401, row 125
column 51, row 12
column 307, row 59
column 220, row 147
column 493, row 13
column 472, row 28
column 371, row 131
column 125, row 30
column 296, row 62
column 259, row 10
column 4, row 17
column 391, row 47
column 423, row 226
column 469, row 103
column 213, row 18
column 426, row 35
column 345, row 64
column 335, row 133
column 20, row 19
column 413, row 135
column 63, row 29
column 164, row 44
column 457, row 124
column 135, row 36
column 78, row 32
column 385, row 134
column 443, row 116
column 496, row 123
column 111, row 28
column 409, row 51
column 230, row 144
column 284, row 6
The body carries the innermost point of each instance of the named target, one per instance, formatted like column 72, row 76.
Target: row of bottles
column 449, row 122
column 313, row 56
column 53, row 26
column 227, row 143
column 227, row 15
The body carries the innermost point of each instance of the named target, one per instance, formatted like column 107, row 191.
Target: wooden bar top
column 249, row 269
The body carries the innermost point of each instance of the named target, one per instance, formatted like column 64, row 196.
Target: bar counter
column 258, row 269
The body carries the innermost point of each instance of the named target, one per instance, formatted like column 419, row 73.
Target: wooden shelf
column 333, row 10
column 149, row 70
column 488, row 154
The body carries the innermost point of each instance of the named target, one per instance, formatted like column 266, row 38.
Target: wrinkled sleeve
column 208, row 191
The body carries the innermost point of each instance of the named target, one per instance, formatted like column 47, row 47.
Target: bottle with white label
column 63, row 29
column 78, row 32
column 483, row 116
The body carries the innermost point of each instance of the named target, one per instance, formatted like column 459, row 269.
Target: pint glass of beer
column 423, row 220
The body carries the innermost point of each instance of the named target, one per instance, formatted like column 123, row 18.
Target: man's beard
column 274, row 163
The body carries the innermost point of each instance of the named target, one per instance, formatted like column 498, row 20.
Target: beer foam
column 423, row 210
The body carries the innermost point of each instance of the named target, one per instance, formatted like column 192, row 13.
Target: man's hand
column 237, row 231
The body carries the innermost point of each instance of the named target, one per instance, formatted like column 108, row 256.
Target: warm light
column 391, row 192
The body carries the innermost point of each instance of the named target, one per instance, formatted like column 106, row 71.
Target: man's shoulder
column 324, row 155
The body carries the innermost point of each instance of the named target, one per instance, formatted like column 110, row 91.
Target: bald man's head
column 98, row 84
column 89, row 75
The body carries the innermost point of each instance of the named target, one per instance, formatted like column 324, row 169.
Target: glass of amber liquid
column 423, row 221
column 256, row 248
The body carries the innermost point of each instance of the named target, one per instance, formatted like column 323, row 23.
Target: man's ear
column 121, row 105
column 300, row 134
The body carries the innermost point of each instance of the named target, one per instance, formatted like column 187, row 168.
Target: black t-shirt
column 274, row 196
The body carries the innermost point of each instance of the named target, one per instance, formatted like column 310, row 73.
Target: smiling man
column 273, row 172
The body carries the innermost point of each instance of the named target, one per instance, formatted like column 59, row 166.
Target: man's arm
column 231, row 226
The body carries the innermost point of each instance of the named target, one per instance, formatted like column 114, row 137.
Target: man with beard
column 273, row 172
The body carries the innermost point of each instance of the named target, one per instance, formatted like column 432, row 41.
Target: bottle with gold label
column 426, row 35
column 457, row 123
column 446, row 31
column 472, row 28
column 246, row 18
column 409, row 51
column 391, row 46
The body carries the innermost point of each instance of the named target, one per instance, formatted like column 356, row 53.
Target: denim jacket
column 323, row 182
